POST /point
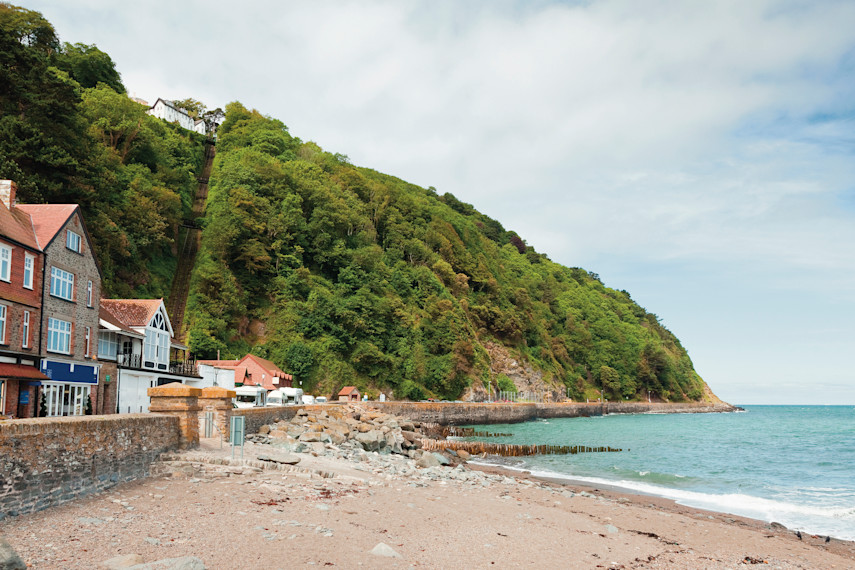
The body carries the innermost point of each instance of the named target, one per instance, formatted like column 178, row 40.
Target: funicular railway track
column 189, row 248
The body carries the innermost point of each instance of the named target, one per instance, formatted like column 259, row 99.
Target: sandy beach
column 333, row 511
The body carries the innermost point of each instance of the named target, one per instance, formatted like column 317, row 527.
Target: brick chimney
column 7, row 192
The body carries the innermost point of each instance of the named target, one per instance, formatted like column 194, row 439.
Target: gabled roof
column 17, row 226
column 132, row 312
column 256, row 370
column 109, row 322
column 348, row 390
column 47, row 219
column 171, row 105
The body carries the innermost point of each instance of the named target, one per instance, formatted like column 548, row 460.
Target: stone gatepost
column 218, row 400
column 181, row 401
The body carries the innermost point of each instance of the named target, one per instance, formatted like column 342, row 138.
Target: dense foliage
column 68, row 134
column 347, row 276
column 341, row 275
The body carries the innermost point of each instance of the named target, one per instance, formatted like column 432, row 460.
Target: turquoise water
column 790, row 464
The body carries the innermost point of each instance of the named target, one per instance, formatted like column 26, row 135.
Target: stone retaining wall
column 462, row 413
column 257, row 417
column 49, row 461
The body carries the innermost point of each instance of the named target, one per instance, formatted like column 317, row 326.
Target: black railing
column 183, row 368
column 177, row 367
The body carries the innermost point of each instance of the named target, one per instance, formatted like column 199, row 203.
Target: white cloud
column 669, row 133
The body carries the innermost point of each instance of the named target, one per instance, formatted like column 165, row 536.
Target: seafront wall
column 49, row 461
column 461, row 413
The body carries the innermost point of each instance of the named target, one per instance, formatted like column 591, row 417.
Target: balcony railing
column 183, row 368
column 177, row 367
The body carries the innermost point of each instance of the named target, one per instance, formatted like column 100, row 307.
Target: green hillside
column 348, row 276
column 339, row 274
column 69, row 134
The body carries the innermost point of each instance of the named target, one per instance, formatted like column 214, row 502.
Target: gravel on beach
column 338, row 505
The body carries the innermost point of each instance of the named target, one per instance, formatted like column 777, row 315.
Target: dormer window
column 72, row 241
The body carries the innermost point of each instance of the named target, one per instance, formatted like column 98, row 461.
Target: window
column 59, row 336
column 89, row 294
column 107, row 345
column 72, row 241
column 5, row 263
column 61, row 283
column 25, row 331
column 29, row 262
column 86, row 338
column 2, row 324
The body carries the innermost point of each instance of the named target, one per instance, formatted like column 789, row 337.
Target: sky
column 699, row 155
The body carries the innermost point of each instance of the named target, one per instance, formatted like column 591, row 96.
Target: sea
column 794, row 465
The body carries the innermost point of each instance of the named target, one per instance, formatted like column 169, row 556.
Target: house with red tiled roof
column 251, row 370
column 69, row 292
column 349, row 394
column 136, row 343
column 21, row 262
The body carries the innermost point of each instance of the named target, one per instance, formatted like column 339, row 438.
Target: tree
column 89, row 66
column 193, row 107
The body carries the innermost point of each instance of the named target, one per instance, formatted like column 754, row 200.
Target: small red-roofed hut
column 349, row 394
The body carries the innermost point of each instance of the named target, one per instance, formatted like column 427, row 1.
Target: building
column 166, row 110
column 21, row 263
column 70, row 292
column 349, row 394
column 137, row 344
column 251, row 370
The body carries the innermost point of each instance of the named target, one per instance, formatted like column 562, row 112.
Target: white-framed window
column 29, row 266
column 108, row 345
column 25, row 331
column 61, row 283
column 3, row 314
column 65, row 399
column 86, row 338
column 156, row 348
column 72, row 241
column 5, row 263
column 88, row 293
column 59, row 336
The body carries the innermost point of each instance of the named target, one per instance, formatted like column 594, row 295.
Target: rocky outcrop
column 351, row 427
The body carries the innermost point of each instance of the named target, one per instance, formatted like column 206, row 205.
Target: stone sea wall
column 461, row 413
column 257, row 417
column 49, row 461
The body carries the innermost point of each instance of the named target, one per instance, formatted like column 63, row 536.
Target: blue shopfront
column 68, row 388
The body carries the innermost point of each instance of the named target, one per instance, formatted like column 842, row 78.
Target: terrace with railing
column 176, row 367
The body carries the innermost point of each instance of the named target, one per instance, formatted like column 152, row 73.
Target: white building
column 166, row 110
column 137, row 336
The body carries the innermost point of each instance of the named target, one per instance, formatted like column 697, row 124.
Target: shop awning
column 21, row 372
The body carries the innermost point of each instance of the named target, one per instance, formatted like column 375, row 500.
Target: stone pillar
column 218, row 400
column 181, row 401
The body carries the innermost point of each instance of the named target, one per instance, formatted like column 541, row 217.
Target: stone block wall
column 257, row 417
column 50, row 461
column 462, row 413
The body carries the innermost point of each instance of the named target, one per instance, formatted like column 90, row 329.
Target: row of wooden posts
column 511, row 449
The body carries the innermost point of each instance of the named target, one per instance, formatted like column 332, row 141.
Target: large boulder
column 9, row 559
column 371, row 440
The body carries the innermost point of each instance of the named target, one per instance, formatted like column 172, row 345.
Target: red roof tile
column 17, row 226
column 132, row 312
column 47, row 219
column 108, row 317
column 348, row 390
column 21, row 371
